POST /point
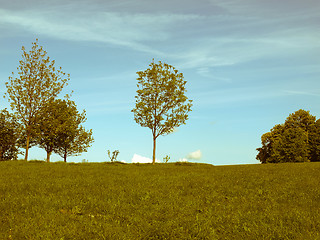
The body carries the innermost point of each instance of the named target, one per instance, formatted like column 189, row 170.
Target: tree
column 54, row 118
column 74, row 142
column 297, row 140
column 9, row 135
column 38, row 83
column 314, row 140
column 161, row 103
column 70, row 137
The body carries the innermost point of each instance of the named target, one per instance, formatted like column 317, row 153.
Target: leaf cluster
column 10, row 132
column 297, row 140
column 59, row 129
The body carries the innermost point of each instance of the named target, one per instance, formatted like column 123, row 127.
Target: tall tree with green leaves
column 297, row 140
column 161, row 103
column 69, row 137
column 9, row 135
column 53, row 118
column 38, row 82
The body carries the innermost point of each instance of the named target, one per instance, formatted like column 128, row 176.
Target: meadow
column 167, row 201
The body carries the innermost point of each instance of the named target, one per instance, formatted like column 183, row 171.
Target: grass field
column 165, row 201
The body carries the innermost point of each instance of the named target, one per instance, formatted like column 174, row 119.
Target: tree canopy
column 38, row 82
column 161, row 103
column 58, row 119
column 297, row 140
column 62, row 131
column 9, row 136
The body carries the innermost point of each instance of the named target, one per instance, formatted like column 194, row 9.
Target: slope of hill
column 165, row 201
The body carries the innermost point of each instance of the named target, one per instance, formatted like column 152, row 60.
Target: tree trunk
column 27, row 146
column 154, row 150
column 48, row 155
column 65, row 156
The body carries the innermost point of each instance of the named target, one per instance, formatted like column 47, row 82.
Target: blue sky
column 248, row 65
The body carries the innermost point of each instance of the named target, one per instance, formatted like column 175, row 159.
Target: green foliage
column 22, row 141
column 161, row 103
column 292, row 146
column 38, row 83
column 114, row 156
column 314, row 139
column 113, row 201
column 73, row 143
column 61, row 131
column 297, row 140
column 52, row 122
column 9, row 136
column 300, row 119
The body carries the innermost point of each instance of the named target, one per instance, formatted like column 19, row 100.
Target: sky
column 248, row 64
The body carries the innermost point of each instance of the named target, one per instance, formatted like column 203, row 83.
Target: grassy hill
column 165, row 201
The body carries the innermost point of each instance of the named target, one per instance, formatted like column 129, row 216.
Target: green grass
column 167, row 201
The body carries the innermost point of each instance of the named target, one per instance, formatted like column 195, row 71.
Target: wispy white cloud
column 131, row 30
column 305, row 93
column 230, row 51
column 237, row 32
column 251, row 30
column 277, row 9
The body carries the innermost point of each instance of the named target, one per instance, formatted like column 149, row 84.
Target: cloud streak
column 233, row 34
column 130, row 30
column 230, row 51
column 295, row 93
